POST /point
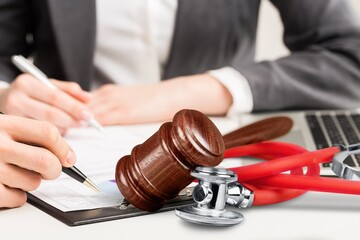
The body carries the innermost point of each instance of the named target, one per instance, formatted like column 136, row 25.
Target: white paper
column 97, row 156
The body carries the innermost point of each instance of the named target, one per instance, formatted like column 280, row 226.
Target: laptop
column 321, row 129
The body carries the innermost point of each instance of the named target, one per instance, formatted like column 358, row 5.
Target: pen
column 26, row 66
column 76, row 174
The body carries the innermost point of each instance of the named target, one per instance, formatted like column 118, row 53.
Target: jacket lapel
column 209, row 34
column 74, row 26
column 200, row 29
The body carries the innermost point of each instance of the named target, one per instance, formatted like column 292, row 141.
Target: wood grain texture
column 159, row 169
column 263, row 130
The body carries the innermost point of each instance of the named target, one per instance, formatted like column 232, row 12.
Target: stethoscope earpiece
column 216, row 188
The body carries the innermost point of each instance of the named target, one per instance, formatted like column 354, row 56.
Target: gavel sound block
column 159, row 169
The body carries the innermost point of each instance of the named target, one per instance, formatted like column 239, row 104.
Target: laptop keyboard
column 330, row 129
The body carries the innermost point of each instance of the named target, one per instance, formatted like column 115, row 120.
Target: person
column 202, row 51
column 26, row 157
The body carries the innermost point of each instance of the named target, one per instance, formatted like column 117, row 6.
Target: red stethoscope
column 271, row 185
column 288, row 172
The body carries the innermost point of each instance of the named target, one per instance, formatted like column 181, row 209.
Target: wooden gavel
column 159, row 169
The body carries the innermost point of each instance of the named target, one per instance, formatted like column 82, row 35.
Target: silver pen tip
column 92, row 185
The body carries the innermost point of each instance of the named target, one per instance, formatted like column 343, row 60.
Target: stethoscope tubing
column 268, row 180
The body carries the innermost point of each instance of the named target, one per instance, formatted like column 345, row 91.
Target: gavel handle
column 262, row 130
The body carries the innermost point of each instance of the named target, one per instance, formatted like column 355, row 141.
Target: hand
column 114, row 104
column 28, row 97
column 30, row 150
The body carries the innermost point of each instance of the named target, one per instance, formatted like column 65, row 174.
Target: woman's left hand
column 114, row 104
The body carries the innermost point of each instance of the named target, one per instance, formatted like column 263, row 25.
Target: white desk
column 311, row 216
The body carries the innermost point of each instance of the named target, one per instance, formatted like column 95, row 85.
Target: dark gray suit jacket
column 323, row 70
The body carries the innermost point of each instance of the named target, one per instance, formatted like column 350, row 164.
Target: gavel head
column 159, row 169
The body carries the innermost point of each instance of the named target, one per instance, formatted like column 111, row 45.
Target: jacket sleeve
column 323, row 69
column 15, row 34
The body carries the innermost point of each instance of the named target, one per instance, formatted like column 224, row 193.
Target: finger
column 16, row 177
column 99, row 107
column 63, row 101
column 103, row 93
column 100, row 103
column 42, row 111
column 32, row 158
column 62, row 131
column 14, row 103
column 111, row 116
column 104, row 113
column 11, row 197
column 110, row 119
column 74, row 90
column 56, row 98
column 38, row 133
column 97, row 99
column 21, row 104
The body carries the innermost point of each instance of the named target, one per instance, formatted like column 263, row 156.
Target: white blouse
column 133, row 41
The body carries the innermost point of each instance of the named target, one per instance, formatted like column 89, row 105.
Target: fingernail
column 71, row 158
column 86, row 115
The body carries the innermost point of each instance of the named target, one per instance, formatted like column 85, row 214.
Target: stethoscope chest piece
column 217, row 187
column 209, row 217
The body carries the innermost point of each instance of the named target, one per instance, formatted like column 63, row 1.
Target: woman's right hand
column 30, row 150
column 28, row 97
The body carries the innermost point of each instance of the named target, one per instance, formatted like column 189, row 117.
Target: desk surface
column 311, row 216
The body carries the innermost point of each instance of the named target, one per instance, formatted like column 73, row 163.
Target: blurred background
column 269, row 39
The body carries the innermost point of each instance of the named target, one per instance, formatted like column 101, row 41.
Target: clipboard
column 82, row 217
column 90, row 148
